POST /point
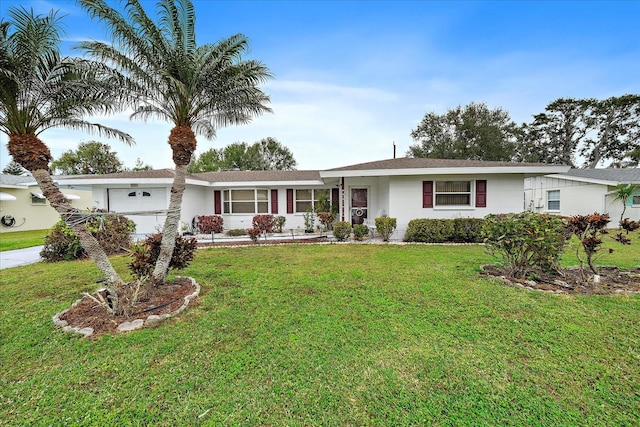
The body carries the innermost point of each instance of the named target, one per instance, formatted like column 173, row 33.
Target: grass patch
column 361, row 335
column 22, row 239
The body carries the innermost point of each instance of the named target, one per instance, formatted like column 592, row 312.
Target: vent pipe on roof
column 394, row 149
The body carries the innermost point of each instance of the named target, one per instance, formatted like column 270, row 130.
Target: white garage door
column 140, row 200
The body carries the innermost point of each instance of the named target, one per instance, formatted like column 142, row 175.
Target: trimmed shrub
column 360, row 231
column 208, row 224
column 113, row 233
column 278, row 222
column 527, row 242
column 236, row 232
column 425, row 230
column 385, row 226
column 144, row 255
column 467, row 230
column 263, row 223
column 254, row 233
column 341, row 230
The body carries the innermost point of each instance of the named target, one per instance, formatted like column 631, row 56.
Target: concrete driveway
column 19, row 257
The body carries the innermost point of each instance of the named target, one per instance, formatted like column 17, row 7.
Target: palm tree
column 198, row 89
column 624, row 192
column 39, row 90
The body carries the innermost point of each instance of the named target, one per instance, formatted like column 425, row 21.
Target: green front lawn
column 331, row 335
column 22, row 239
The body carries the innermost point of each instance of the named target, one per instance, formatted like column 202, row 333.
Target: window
column 453, row 193
column 246, row 201
column 553, row 200
column 38, row 199
column 636, row 199
column 309, row 199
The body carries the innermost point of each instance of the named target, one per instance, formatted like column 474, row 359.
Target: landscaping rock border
column 129, row 325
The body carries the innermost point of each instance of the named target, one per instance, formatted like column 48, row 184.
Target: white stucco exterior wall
column 504, row 195
column 29, row 216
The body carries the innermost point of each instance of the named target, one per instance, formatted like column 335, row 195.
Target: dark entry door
column 359, row 205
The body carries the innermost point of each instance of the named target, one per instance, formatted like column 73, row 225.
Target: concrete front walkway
column 19, row 257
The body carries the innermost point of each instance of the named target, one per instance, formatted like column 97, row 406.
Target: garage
column 147, row 201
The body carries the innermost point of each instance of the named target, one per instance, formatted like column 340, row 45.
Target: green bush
column 113, row 233
column 385, row 227
column 425, row 230
column 236, row 232
column 527, row 242
column 360, row 231
column 467, row 230
column 458, row 230
column 278, row 222
column 341, row 230
column 144, row 255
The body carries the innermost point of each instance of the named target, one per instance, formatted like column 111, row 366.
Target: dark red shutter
column 274, row 201
column 217, row 196
column 289, row 200
column 335, row 199
column 481, row 193
column 427, row 194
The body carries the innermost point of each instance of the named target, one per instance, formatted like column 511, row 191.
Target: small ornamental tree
column 527, row 242
column 326, row 219
column 210, row 224
column 279, row 222
column 264, row 223
column 589, row 230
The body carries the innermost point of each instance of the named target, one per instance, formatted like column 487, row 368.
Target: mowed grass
column 327, row 335
column 22, row 239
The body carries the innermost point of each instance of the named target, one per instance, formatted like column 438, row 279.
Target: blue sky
column 352, row 77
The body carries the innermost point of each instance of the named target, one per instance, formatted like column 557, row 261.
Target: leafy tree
column 141, row 166
column 39, row 90
column 474, row 132
column 273, row 155
column 90, row 158
column 555, row 135
column 624, row 192
column 169, row 76
column 14, row 168
column 266, row 154
column 597, row 131
column 616, row 121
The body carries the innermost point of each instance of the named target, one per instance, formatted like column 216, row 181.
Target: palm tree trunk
column 170, row 229
column 88, row 242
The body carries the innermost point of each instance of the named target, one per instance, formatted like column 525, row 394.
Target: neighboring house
column 583, row 192
column 23, row 207
column 403, row 188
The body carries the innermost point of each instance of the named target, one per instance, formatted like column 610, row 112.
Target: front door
column 359, row 204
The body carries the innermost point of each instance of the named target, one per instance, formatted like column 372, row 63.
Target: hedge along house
column 23, row 207
column 583, row 192
column 403, row 188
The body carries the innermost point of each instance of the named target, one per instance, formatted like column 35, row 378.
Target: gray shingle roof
column 608, row 174
column 425, row 163
column 249, row 176
column 6, row 179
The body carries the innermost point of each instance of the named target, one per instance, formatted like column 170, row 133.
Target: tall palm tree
column 40, row 89
column 198, row 89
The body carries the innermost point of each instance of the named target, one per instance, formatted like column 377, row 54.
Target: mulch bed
column 164, row 299
column 217, row 243
column 612, row 280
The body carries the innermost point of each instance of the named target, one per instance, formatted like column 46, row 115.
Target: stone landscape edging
column 152, row 319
